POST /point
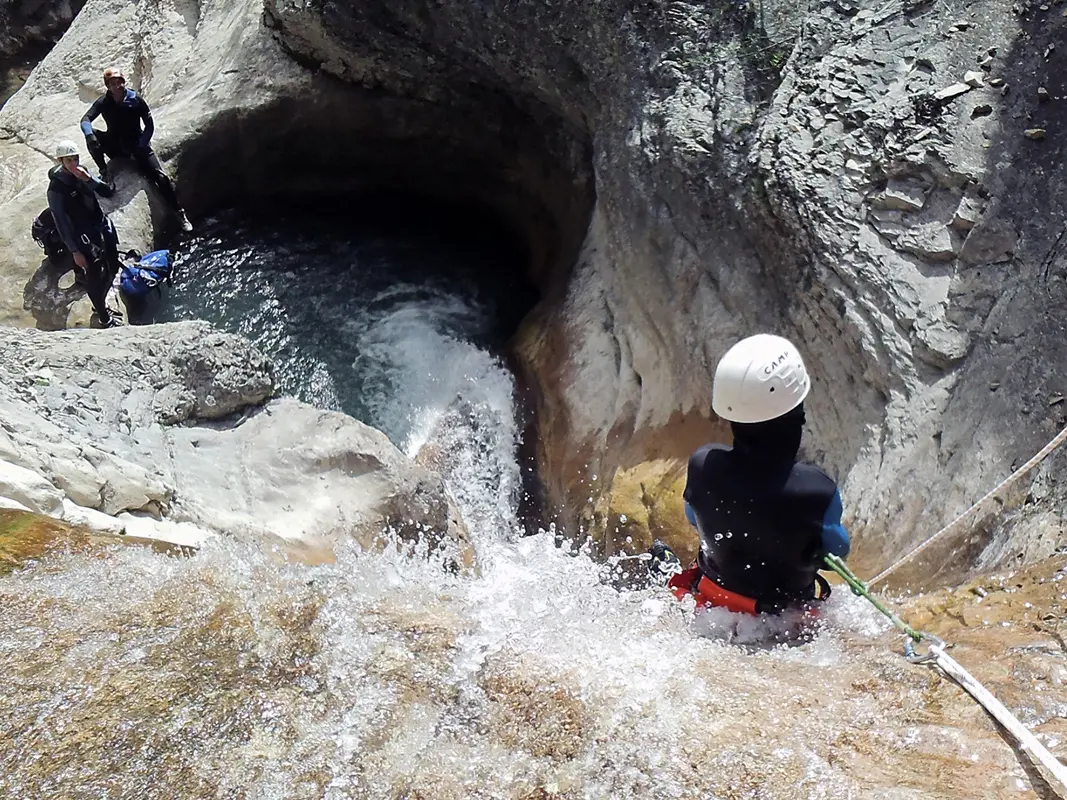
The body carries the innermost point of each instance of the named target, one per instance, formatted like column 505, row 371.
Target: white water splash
column 449, row 396
column 439, row 392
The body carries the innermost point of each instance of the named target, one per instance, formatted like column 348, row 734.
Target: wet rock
column 1042, row 94
column 27, row 537
column 168, row 431
column 1034, row 134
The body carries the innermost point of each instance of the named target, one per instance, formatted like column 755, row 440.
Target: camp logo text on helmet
column 775, row 364
column 759, row 379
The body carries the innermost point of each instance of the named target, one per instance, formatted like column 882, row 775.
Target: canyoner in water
column 768, row 524
column 765, row 521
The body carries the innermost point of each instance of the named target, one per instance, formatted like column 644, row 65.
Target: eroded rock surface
column 857, row 176
column 850, row 204
column 170, row 430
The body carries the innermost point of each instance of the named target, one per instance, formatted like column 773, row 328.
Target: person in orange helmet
column 128, row 135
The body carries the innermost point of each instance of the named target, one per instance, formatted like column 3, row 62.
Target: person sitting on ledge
column 123, row 111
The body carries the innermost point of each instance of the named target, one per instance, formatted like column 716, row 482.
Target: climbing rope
column 858, row 587
column 1026, row 740
column 936, row 654
column 1041, row 455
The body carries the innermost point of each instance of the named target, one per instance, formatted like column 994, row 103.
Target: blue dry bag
column 147, row 273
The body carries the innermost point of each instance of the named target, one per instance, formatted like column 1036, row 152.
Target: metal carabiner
column 922, row 658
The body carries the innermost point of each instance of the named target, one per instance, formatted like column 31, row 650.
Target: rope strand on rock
column 1024, row 738
column 1056, row 441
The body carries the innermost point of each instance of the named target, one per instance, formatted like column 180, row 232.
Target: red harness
column 708, row 594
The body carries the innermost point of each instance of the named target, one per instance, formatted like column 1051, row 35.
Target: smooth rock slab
column 166, row 424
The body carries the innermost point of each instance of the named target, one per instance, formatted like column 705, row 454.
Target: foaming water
column 239, row 674
column 383, row 676
column 398, row 332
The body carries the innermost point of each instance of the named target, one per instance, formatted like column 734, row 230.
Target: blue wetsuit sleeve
column 834, row 536
column 149, row 124
column 90, row 115
column 690, row 514
column 692, row 480
column 57, row 203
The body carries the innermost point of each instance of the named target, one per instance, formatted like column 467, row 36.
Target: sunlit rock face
column 820, row 192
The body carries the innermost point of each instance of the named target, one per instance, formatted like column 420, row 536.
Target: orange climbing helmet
column 111, row 73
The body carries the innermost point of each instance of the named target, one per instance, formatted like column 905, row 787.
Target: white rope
column 1026, row 740
column 1029, row 465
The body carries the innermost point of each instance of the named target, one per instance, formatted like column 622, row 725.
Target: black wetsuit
column 125, row 138
column 764, row 520
column 85, row 229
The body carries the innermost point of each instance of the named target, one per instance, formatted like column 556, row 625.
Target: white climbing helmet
column 760, row 378
column 66, row 149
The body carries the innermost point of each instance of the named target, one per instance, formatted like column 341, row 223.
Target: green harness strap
column 860, row 588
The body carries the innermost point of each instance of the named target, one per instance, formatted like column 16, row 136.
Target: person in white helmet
column 83, row 226
column 765, row 521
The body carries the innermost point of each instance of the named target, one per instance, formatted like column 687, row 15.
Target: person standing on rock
column 84, row 227
column 765, row 521
column 124, row 111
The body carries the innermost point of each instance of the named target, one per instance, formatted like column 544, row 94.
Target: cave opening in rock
column 507, row 164
column 394, row 313
column 384, row 252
